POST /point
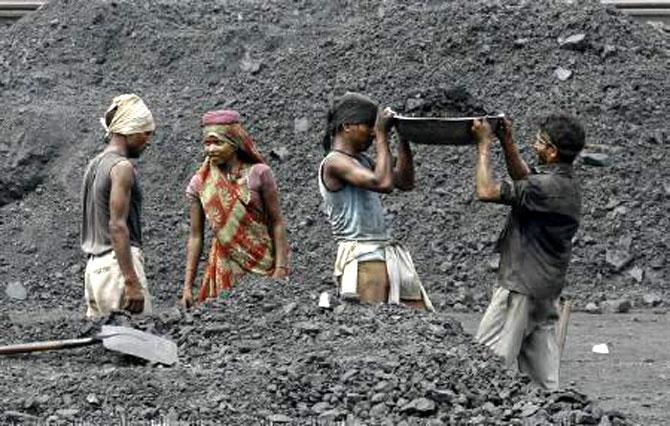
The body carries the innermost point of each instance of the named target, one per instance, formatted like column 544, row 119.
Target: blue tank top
column 355, row 214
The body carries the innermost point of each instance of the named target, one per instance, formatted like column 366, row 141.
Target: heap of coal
column 269, row 353
column 280, row 66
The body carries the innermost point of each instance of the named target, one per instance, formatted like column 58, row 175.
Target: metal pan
column 441, row 130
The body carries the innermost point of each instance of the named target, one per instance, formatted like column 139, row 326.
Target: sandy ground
column 633, row 378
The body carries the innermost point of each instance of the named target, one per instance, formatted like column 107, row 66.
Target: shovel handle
column 47, row 345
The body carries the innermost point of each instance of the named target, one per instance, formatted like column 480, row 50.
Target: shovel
column 120, row 339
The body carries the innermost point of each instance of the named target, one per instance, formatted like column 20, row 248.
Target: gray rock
column 279, row 418
column 595, row 159
column 420, row 407
column 320, row 407
column 652, row 299
column 592, row 308
column 307, row 327
column 289, row 308
column 92, row 399
column 378, row 397
column 281, row 153
column 379, row 410
column 348, row 375
column 494, row 263
column 529, row 409
column 618, row 258
column 520, row 42
column 19, row 416
column 573, row 42
column 250, row 65
column 16, row 290
column 414, row 103
column 617, row 306
column 562, row 74
column 67, row 412
column 301, row 125
column 333, row 415
column 441, row 395
column 637, row 274
column 607, row 51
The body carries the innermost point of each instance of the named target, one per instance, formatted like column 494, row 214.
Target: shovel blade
column 139, row 344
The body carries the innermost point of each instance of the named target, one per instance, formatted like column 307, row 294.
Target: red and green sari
column 242, row 241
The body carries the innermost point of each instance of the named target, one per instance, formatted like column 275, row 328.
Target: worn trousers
column 104, row 284
column 523, row 332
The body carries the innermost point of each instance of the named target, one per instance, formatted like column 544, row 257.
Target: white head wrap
column 132, row 116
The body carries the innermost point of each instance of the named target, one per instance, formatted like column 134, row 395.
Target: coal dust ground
column 279, row 64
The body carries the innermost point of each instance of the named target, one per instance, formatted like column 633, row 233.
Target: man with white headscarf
column 111, row 233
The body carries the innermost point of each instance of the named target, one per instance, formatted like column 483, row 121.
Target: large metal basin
column 441, row 130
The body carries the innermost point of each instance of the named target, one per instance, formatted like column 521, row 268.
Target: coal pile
column 269, row 353
column 280, row 66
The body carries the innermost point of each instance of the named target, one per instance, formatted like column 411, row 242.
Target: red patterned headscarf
column 225, row 125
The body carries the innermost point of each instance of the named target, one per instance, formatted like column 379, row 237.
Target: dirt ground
column 280, row 65
column 634, row 377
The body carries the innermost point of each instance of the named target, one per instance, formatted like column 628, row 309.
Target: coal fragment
column 618, row 258
column 592, row 308
column 281, row 153
column 573, row 42
column 420, row 407
column 652, row 299
column 595, row 159
column 617, row 306
column 279, row 418
column 562, row 74
column 16, row 290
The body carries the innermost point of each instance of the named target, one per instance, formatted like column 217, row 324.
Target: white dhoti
column 404, row 282
column 104, row 285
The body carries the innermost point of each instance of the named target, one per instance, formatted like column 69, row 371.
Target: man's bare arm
column 516, row 167
column 347, row 169
column 487, row 189
column 403, row 175
column 122, row 178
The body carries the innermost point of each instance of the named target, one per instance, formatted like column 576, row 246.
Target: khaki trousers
column 523, row 332
column 104, row 285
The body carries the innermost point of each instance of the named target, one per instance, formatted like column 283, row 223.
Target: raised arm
column 487, row 189
column 349, row 170
column 403, row 175
column 122, row 178
column 193, row 250
column 516, row 167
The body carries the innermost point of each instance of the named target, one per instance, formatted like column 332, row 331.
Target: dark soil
column 270, row 354
column 280, row 65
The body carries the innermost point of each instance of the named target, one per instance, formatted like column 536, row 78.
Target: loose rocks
column 400, row 365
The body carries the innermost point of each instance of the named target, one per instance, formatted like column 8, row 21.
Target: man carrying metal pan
column 370, row 267
column 535, row 245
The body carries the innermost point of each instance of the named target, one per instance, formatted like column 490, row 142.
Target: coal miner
column 111, row 232
column 535, row 245
column 370, row 266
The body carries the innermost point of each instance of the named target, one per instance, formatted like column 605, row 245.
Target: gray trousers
column 523, row 331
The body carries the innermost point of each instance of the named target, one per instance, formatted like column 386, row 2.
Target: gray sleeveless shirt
column 95, row 235
column 355, row 214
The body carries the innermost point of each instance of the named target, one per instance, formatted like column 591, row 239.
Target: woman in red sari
column 235, row 191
